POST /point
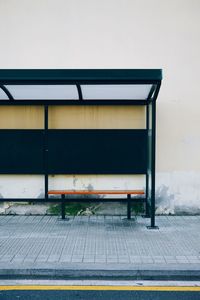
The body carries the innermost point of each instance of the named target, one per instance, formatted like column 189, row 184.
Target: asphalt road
column 18, row 293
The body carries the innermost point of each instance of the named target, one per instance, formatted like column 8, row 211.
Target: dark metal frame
column 78, row 77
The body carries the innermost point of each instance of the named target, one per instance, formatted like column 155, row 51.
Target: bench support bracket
column 152, row 227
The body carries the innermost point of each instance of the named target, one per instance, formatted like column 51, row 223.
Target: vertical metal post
column 153, row 166
column 147, row 207
column 152, row 158
column 46, row 151
column 63, row 207
column 128, row 206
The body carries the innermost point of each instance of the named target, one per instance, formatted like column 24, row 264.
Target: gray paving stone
column 53, row 258
column 146, row 260
column 193, row 260
column 100, row 261
column 170, row 259
column 18, row 258
column 109, row 260
column 123, row 261
column 136, row 259
column 101, row 256
column 42, row 258
column 182, row 259
column 77, row 260
column 29, row 259
column 88, row 260
column 99, row 240
column 66, row 259
column 193, row 257
column 7, row 258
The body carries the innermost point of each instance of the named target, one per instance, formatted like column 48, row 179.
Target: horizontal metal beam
column 59, row 200
column 74, row 102
column 79, row 76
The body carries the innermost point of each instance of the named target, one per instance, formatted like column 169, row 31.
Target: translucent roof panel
column 43, row 92
column 3, row 95
column 116, row 91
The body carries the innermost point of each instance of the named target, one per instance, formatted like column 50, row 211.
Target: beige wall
column 118, row 34
column 122, row 34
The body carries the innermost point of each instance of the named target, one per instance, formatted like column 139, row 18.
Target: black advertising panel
column 21, row 152
column 97, row 151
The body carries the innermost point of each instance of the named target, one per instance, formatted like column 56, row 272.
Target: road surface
column 98, row 292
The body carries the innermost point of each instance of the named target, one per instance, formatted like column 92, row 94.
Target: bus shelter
column 81, row 149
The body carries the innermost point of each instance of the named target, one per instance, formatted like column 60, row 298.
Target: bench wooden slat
column 96, row 192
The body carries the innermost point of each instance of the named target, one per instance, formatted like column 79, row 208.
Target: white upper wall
column 118, row 34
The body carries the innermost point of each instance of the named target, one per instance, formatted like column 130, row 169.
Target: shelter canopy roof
column 93, row 86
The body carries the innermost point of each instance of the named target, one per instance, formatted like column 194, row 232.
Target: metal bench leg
column 128, row 206
column 63, row 206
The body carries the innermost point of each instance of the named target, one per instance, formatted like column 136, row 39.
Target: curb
column 68, row 274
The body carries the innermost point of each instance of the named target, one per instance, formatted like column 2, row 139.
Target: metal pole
column 153, row 157
column 128, row 206
column 147, row 213
column 46, row 151
column 63, row 207
column 153, row 165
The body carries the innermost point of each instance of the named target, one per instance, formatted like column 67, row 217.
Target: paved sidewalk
column 98, row 243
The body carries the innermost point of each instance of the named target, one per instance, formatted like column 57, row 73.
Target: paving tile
column 170, row 259
column 99, row 239
column 53, row 258
column 147, row 259
column 123, row 261
column 181, row 259
column 193, row 260
column 88, row 260
column 6, row 258
column 98, row 261
column 100, row 256
column 77, row 259
column 158, row 259
column 136, row 259
column 65, row 259
column 29, row 259
column 114, row 260
column 18, row 258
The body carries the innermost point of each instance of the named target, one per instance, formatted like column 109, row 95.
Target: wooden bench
column 96, row 192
